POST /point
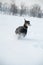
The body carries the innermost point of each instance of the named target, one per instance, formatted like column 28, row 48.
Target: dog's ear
column 24, row 19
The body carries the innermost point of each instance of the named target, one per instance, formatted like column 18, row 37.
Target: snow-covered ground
column 27, row 51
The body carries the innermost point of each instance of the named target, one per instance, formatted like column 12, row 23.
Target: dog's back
column 20, row 30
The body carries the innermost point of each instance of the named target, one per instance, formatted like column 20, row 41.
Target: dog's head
column 27, row 23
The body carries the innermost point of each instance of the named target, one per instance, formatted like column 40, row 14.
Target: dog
column 22, row 30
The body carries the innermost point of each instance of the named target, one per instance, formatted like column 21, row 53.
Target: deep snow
column 27, row 51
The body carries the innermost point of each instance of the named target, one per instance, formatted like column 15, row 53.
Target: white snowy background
column 27, row 51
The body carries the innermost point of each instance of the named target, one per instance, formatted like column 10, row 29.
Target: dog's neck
column 25, row 26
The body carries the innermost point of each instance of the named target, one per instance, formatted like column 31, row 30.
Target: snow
column 26, row 51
